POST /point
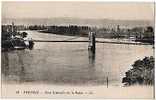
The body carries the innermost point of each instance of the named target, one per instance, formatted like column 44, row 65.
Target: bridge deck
column 129, row 43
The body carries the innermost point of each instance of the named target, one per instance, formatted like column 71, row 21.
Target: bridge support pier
column 92, row 41
column 91, row 48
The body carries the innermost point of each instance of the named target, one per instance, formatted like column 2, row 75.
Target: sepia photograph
column 58, row 49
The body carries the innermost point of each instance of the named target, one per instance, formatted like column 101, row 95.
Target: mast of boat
column 12, row 27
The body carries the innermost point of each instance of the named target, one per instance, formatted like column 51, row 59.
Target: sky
column 95, row 10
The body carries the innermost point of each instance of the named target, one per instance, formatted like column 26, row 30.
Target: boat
column 14, row 40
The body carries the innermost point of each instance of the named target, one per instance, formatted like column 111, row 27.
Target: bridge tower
column 92, row 42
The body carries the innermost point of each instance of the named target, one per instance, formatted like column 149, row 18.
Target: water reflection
column 14, row 66
column 5, row 63
column 21, row 64
column 91, row 57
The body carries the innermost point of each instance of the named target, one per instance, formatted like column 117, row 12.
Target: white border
column 90, row 0
column 139, row 1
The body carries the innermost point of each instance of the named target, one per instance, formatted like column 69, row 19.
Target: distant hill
column 78, row 21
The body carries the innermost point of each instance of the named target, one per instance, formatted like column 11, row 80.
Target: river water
column 70, row 63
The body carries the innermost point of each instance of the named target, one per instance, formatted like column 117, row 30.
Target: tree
column 149, row 29
column 24, row 34
column 142, row 72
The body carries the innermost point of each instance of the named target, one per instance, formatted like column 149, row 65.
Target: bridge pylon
column 92, row 42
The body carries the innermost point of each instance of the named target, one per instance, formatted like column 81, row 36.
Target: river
column 70, row 63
